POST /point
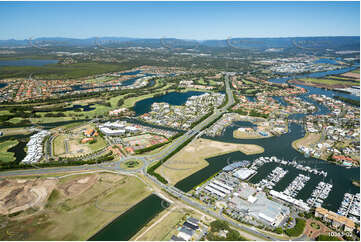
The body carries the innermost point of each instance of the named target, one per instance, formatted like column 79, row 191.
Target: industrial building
column 256, row 204
column 243, row 173
column 117, row 128
column 299, row 203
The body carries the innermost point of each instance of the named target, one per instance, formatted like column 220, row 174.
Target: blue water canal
column 280, row 146
column 173, row 98
column 129, row 223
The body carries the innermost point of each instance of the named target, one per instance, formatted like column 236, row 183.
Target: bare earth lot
column 308, row 140
column 192, row 157
column 70, row 208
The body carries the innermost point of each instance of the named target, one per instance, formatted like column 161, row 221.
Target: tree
column 218, row 225
column 278, row 230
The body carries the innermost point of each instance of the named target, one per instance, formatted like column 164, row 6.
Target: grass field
column 58, row 145
column 14, row 131
column 4, row 146
column 81, row 214
column 192, row 157
column 329, row 82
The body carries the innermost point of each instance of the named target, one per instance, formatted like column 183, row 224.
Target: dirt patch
column 76, row 187
column 192, row 158
column 308, row 140
column 20, row 194
column 352, row 75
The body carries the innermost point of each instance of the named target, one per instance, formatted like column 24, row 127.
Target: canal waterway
column 326, row 61
column 130, row 222
column 281, row 146
column 173, row 98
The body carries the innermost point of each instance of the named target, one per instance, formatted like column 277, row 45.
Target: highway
column 150, row 159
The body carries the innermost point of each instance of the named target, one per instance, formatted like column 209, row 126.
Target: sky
column 185, row 20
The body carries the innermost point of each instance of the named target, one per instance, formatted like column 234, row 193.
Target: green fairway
column 4, row 146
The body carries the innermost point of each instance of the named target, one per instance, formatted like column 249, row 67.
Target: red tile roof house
column 346, row 160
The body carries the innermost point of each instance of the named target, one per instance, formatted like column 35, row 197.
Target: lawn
column 315, row 226
column 4, row 146
column 58, row 145
column 99, row 144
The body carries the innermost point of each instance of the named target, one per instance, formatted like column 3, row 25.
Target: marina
column 263, row 160
column 276, row 175
column 297, row 184
column 350, row 207
column 320, row 193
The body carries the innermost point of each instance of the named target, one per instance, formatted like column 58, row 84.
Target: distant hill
column 334, row 43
